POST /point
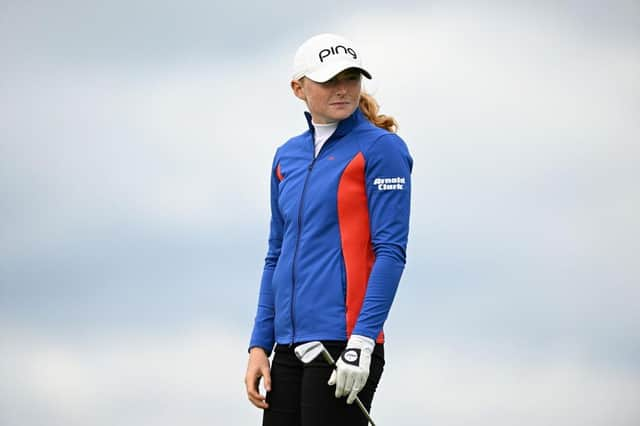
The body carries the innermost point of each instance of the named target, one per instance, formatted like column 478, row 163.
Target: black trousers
column 300, row 395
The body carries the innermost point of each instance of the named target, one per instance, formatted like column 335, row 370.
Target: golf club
column 309, row 351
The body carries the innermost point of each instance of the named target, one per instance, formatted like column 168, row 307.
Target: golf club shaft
column 329, row 359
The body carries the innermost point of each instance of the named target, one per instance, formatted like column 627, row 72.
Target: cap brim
column 329, row 71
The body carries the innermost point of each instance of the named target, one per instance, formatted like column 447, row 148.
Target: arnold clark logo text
column 389, row 184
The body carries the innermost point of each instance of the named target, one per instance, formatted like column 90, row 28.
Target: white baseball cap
column 323, row 56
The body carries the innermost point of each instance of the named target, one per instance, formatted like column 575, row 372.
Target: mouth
column 339, row 103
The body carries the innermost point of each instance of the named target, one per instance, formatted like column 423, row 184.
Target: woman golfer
column 340, row 196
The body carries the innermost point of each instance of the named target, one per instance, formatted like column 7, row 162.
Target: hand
column 257, row 367
column 352, row 368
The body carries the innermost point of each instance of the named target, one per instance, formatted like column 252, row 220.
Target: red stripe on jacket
column 355, row 236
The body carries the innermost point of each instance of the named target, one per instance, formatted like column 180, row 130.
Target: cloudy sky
column 135, row 145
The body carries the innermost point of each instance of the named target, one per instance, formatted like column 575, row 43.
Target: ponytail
column 370, row 107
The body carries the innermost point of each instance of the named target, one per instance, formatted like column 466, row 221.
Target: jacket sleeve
column 263, row 328
column 388, row 181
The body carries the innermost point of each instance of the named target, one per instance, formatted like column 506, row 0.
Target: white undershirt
column 322, row 133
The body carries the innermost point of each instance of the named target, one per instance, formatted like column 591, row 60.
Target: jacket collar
column 344, row 126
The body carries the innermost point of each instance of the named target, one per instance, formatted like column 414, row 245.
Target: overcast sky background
column 136, row 139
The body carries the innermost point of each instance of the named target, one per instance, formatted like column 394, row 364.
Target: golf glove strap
column 352, row 368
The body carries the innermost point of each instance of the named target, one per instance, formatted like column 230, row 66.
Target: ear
column 298, row 90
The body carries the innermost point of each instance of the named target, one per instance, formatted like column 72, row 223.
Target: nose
column 340, row 86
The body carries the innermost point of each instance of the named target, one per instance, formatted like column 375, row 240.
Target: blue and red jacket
column 339, row 226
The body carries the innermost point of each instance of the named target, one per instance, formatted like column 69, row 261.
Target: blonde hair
column 370, row 108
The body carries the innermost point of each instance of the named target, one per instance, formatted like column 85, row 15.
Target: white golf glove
column 352, row 368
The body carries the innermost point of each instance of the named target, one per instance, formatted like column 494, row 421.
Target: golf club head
column 309, row 351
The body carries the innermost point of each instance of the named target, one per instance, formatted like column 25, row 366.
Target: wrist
column 362, row 342
column 258, row 350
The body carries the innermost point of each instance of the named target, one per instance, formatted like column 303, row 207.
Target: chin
column 343, row 114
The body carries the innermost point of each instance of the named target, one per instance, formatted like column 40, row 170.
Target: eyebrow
column 347, row 74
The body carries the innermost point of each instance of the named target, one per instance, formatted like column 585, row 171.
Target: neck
column 329, row 123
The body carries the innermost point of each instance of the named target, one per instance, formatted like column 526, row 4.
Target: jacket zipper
column 295, row 253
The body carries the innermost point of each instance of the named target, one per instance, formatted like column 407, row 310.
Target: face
column 333, row 100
